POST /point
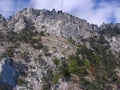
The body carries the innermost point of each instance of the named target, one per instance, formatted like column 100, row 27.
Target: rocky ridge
column 35, row 45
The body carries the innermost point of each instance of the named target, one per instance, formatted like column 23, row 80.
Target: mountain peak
column 55, row 22
column 54, row 50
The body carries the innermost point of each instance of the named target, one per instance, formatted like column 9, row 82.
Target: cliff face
column 60, row 24
column 50, row 50
column 2, row 23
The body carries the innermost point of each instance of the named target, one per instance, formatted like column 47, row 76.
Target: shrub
column 9, row 52
column 47, row 79
column 56, row 62
column 38, row 46
column 56, row 77
column 71, row 40
column 22, row 82
column 73, row 66
column 24, row 55
column 5, row 87
column 36, row 43
column 47, row 54
column 64, row 69
column 43, row 26
column 42, row 33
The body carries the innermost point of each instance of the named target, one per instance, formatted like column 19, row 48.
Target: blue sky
column 94, row 11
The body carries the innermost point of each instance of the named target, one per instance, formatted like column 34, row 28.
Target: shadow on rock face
column 9, row 74
column 4, row 86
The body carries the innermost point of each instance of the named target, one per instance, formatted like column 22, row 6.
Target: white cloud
column 83, row 9
column 99, row 15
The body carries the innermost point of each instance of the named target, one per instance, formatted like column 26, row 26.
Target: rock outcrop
column 37, row 48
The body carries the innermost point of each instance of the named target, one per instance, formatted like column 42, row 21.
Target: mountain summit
column 53, row 50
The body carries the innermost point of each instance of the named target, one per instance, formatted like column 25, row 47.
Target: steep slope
column 60, row 24
column 50, row 50
column 2, row 23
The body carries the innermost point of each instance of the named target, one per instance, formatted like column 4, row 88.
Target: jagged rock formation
column 50, row 50
column 63, row 24
column 2, row 23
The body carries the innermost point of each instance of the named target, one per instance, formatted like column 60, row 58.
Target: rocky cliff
column 53, row 50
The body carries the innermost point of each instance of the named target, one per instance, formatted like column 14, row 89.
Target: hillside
column 51, row 50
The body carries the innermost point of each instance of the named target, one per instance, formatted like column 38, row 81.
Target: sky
column 94, row 11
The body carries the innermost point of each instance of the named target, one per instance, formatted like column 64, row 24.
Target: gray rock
column 62, row 32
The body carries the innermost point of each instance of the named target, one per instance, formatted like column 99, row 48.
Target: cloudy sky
column 94, row 11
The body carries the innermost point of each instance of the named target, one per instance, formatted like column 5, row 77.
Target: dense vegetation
column 97, row 62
